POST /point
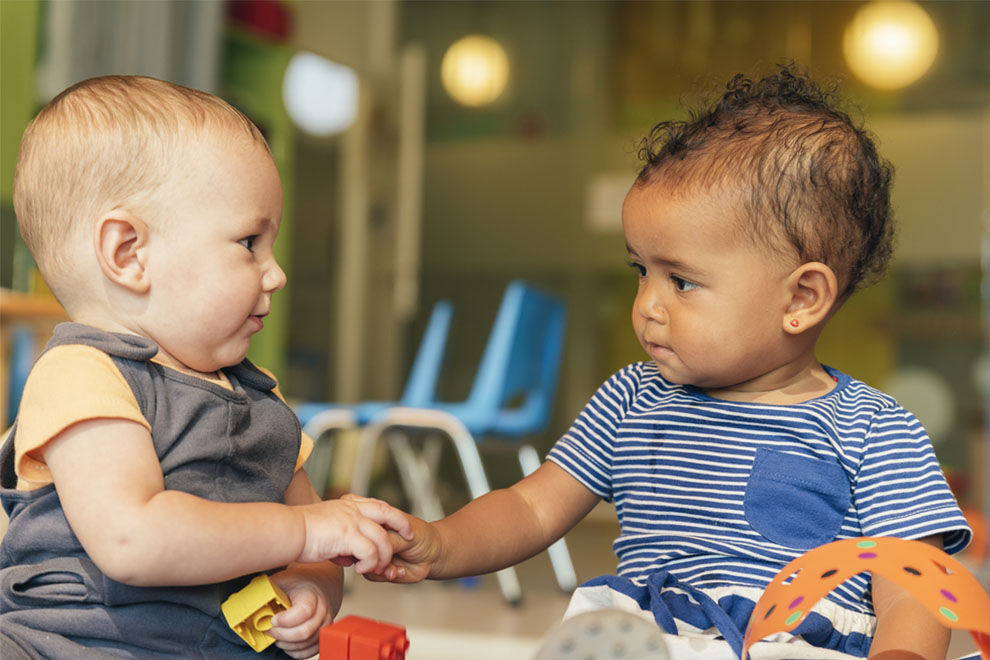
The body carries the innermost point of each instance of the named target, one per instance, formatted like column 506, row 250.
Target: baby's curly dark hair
column 808, row 176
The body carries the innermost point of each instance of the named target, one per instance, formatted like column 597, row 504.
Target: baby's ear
column 122, row 250
column 813, row 290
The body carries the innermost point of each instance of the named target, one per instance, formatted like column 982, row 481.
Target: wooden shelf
column 15, row 305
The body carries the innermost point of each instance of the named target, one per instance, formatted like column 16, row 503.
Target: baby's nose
column 652, row 308
column 275, row 278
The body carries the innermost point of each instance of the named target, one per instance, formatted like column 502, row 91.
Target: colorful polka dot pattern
column 937, row 580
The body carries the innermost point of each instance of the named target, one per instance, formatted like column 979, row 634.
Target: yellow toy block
column 249, row 611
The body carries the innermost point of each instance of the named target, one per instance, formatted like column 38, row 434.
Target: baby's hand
column 297, row 629
column 413, row 559
column 352, row 530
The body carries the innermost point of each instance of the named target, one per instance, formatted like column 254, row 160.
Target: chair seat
column 508, row 424
column 362, row 413
column 307, row 411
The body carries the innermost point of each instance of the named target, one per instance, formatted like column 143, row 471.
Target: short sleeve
column 900, row 489
column 68, row 385
column 305, row 449
column 587, row 450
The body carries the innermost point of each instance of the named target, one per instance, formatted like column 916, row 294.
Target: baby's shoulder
column 856, row 394
column 637, row 380
column 78, row 366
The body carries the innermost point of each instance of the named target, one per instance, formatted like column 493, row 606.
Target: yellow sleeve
column 306, row 445
column 69, row 384
column 305, row 449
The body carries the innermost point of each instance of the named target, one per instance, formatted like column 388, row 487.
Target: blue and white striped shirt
column 724, row 494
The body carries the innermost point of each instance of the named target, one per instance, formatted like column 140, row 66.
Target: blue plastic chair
column 321, row 420
column 512, row 396
column 23, row 350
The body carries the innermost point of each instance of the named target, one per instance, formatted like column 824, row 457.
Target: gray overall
column 218, row 444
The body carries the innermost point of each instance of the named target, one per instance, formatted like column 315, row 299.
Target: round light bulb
column 475, row 70
column 320, row 96
column 890, row 44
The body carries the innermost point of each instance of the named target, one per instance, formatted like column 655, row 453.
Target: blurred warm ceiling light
column 475, row 70
column 891, row 43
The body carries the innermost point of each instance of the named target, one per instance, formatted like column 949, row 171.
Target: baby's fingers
column 383, row 514
column 375, row 552
column 394, row 572
column 301, row 611
column 399, row 544
column 296, row 629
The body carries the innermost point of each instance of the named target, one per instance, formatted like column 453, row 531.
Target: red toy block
column 357, row 638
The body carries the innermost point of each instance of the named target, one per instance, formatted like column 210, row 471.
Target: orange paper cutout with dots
column 935, row 579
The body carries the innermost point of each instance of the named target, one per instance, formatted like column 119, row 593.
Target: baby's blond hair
column 105, row 143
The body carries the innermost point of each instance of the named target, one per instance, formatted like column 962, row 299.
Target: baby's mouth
column 658, row 351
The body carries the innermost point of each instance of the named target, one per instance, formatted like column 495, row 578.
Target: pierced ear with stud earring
column 795, row 323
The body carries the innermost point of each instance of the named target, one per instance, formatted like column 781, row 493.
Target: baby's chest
column 236, row 445
column 730, row 479
column 674, row 447
column 660, row 468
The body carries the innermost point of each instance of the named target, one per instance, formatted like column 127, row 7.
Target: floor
column 461, row 620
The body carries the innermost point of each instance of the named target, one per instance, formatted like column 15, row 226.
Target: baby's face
column 211, row 259
column 710, row 304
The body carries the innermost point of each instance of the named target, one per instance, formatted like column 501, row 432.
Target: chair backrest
column 515, row 387
column 421, row 384
column 420, row 387
column 23, row 350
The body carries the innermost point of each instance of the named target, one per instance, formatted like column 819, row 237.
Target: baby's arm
column 906, row 630
column 499, row 529
column 111, row 487
column 315, row 590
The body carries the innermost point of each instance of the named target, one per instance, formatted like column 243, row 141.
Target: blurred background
column 404, row 186
column 439, row 149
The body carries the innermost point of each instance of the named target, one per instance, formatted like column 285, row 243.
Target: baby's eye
column 682, row 284
column 640, row 270
column 248, row 242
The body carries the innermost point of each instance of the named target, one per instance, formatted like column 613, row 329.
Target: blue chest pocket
column 796, row 501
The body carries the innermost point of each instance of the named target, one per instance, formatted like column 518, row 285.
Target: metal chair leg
column 467, row 453
column 474, row 474
column 364, row 458
column 417, row 477
column 321, row 429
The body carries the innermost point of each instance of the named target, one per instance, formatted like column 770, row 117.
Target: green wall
column 252, row 80
column 19, row 23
